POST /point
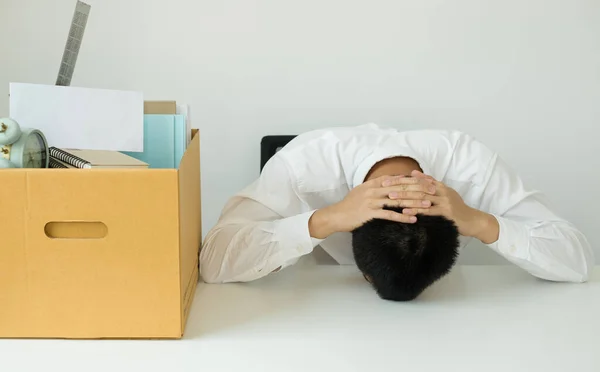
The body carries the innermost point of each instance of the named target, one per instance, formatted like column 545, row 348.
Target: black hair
column 402, row 259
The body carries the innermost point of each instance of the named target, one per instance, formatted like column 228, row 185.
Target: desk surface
column 307, row 318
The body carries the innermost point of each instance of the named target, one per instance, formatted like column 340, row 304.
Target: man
column 326, row 183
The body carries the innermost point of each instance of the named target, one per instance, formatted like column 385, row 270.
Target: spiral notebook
column 55, row 163
column 88, row 159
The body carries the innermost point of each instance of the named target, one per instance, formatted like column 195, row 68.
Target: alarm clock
column 22, row 147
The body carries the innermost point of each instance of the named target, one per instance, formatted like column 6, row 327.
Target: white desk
column 479, row 318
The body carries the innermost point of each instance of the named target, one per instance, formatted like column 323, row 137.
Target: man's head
column 401, row 260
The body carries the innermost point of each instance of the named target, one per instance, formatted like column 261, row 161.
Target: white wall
column 523, row 76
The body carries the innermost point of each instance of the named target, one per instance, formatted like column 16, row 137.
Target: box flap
column 190, row 224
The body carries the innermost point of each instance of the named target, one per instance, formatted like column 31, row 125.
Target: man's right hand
column 366, row 202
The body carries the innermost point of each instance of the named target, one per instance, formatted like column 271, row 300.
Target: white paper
column 81, row 118
column 184, row 109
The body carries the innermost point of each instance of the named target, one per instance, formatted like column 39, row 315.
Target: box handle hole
column 76, row 230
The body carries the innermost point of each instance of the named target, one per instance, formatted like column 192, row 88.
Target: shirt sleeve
column 532, row 235
column 261, row 229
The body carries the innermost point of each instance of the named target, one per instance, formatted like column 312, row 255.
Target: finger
column 386, row 214
column 399, row 180
column 432, row 211
column 396, row 191
column 402, row 203
column 417, row 202
column 440, row 187
column 423, row 187
column 383, row 181
column 419, row 196
column 435, row 199
column 410, row 195
column 418, row 174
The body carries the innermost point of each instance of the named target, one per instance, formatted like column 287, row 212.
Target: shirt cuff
column 293, row 233
column 513, row 240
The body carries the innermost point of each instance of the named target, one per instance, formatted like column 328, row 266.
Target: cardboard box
column 99, row 253
column 160, row 107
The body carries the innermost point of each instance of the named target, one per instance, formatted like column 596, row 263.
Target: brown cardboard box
column 160, row 107
column 99, row 253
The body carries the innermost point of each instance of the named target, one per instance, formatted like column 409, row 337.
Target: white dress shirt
column 265, row 226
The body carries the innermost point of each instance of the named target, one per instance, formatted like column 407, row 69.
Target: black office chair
column 269, row 145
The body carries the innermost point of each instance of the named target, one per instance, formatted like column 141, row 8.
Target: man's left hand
column 448, row 203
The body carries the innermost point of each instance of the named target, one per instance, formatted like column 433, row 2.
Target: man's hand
column 366, row 202
column 448, row 203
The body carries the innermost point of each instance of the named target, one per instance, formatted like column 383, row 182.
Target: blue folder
column 164, row 141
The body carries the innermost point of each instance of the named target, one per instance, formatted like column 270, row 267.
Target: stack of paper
column 156, row 133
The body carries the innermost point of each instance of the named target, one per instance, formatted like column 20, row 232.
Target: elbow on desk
column 576, row 266
column 576, row 271
column 208, row 274
column 579, row 276
column 588, row 268
column 230, row 254
column 565, row 273
column 215, row 265
column 210, row 267
column 210, row 261
column 557, row 251
column 587, row 261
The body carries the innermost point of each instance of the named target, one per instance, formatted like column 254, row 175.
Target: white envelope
column 81, row 118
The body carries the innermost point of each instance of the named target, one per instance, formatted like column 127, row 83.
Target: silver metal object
column 67, row 66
